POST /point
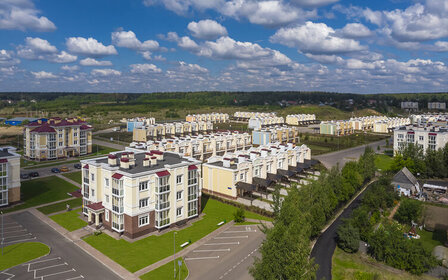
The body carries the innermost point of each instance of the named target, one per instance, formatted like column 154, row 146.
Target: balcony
column 117, row 209
column 117, row 192
column 162, row 206
column 86, row 180
column 162, row 223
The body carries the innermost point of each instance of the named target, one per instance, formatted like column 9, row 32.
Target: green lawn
column 75, row 176
column 56, row 207
column 432, row 239
column 69, row 220
column 383, row 162
column 362, row 267
column 43, row 190
column 22, row 252
column 166, row 272
column 139, row 254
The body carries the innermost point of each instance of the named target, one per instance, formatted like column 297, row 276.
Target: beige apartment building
column 169, row 130
column 337, row 128
column 389, row 124
column 9, row 176
column 134, row 192
column 211, row 117
column 57, row 138
column 365, row 123
column 237, row 174
column 300, row 119
column 273, row 134
column 245, row 116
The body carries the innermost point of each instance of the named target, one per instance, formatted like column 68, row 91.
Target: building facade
column 389, row 124
column 211, row 117
column 170, row 130
column 135, row 192
column 337, row 128
column 139, row 122
column 409, row 105
column 436, row 105
column 300, row 119
column 57, row 138
column 273, row 134
column 245, row 116
column 260, row 122
column 426, row 137
column 9, row 176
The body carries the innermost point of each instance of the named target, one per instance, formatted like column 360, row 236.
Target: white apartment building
column 274, row 134
column 299, row 119
column 427, row 137
column 139, row 122
column 389, row 124
column 365, row 123
column 168, row 130
column 211, row 117
column 259, row 122
column 409, row 105
column 135, row 192
column 9, row 176
column 436, row 105
column 245, row 116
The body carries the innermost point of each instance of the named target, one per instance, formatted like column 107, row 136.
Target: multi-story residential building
column 365, row 123
column 430, row 118
column 337, row 128
column 168, row 130
column 211, row 117
column 273, row 134
column 259, row 122
column 389, row 124
column 236, row 174
column 300, row 119
column 426, row 137
column 135, row 192
column 436, row 105
column 57, row 138
column 204, row 146
column 139, row 122
column 9, row 176
column 409, row 105
column 245, row 116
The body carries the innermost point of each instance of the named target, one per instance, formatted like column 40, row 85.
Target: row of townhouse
column 204, row 146
column 338, row 128
column 389, row 124
column 436, row 105
column 428, row 137
column 57, row 138
column 247, row 115
column 299, row 119
column 9, row 176
column 365, row 123
column 241, row 173
column 139, row 122
column 259, row 122
column 429, row 118
column 210, row 117
column 166, row 130
column 134, row 192
column 273, row 134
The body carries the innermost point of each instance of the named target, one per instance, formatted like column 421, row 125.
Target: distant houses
column 20, row 120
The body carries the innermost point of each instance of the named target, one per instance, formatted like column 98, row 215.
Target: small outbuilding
column 405, row 183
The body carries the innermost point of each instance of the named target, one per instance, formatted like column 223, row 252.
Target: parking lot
column 15, row 232
column 226, row 256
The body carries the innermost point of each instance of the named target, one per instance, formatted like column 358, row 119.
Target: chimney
column 153, row 160
column 158, row 154
column 124, row 155
column 146, row 162
column 241, row 158
column 124, row 163
column 253, row 155
column 112, row 160
column 290, row 146
column 226, row 162
column 131, row 155
column 264, row 153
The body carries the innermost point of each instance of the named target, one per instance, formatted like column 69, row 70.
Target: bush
column 348, row 237
column 239, row 215
column 409, row 210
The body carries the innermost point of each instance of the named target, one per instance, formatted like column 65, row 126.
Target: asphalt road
column 324, row 248
column 66, row 260
column 46, row 171
column 227, row 256
column 341, row 157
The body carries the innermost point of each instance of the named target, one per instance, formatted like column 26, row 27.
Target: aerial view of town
column 224, row 139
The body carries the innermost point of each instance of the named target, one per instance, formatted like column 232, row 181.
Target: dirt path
column 392, row 214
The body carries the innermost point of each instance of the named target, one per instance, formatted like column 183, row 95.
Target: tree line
column 300, row 216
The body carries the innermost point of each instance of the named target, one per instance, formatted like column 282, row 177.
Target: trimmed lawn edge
column 23, row 254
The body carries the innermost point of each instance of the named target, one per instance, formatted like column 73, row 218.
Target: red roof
column 192, row 167
column 86, row 166
column 112, row 156
column 85, row 127
column 163, row 173
column 96, row 206
column 3, row 160
column 117, row 176
column 124, row 160
column 157, row 152
column 44, row 128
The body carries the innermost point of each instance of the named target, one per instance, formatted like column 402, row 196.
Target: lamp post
column 174, row 256
column 2, row 232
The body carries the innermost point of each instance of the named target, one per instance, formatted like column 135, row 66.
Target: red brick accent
column 131, row 228
column 219, row 194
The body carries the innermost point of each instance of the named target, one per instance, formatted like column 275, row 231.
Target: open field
column 139, row 254
column 117, row 136
column 383, row 162
column 22, row 252
column 60, row 206
column 361, row 267
column 69, row 220
column 75, row 176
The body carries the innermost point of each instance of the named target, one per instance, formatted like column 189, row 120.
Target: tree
column 277, row 200
column 348, row 237
column 409, row 210
column 239, row 215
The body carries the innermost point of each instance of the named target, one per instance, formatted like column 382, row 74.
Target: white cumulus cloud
column 44, row 75
column 128, row 39
column 207, row 29
column 93, row 62
column 105, row 72
column 23, row 15
column 144, row 68
column 355, row 30
column 89, row 47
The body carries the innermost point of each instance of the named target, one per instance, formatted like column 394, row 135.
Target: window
column 164, row 185
column 268, row 167
column 143, row 220
column 242, row 176
column 280, row 163
column 107, row 215
column 93, row 176
column 75, row 142
column 420, row 138
column 143, row 186
column 60, row 135
column 106, row 182
column 179, row 211
column 179, row 195
column 75, row 134
column 236, row 177
column 400, row 136
column 257, row 171
column 143, row 203
column 60, row 144
column 179, row 179
column 107, row 198
column 93, row 192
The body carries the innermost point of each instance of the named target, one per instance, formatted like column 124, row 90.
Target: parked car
column 64, row 169
column 77, row 165
column 24, row 176
column 55, row 170
column 34, row 174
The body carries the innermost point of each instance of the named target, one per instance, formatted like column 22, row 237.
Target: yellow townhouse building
column 169, row 130
column 210, row 117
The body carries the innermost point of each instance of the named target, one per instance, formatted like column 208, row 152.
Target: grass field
column 232, row 126
column 118, row 136
column 75, row 176
column 44, row 190
column 383, row 162
column 22, row 252
column 61, row 206
column 139, row 254
column 166, row 272
column 361, row 267
column 69, row 220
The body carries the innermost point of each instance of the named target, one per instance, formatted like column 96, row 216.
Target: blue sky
column 229, row 45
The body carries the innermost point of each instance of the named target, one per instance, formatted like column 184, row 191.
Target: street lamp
column 174, row 256
column 3, row 239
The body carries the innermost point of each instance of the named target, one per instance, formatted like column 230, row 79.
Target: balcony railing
column 117, row 192
column 162, row 206
column 117, row 209
column 162, row 223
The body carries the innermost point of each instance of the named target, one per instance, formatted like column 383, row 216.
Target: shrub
column 348, row 237
column 239, row 215
column 409, row 210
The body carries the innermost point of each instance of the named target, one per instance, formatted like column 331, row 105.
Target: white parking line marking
column 215, row 250
column 15, row 231
column 241, row 261
column 56, row 273
column 229, row 237
column 202, row 258
column 28, row 234
column 79, row 277
column 42, row 268
column 239, row 231
column 19, row 226
column 228, row 243
column 10, row 276
column 58, row 258
column 15, row 241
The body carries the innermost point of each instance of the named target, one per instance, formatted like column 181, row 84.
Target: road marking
column 16, row 231
column 28, row 234
column 215, row 250
column 12, row 227
column 58, row 258
column 15, row 241
column 239, row 231
column 56, row 273
column 240, row 262
column 229, row 237
column 10, row 276
column 202, row 258
column 51, row 266
column 228, row 243
column 79, row 277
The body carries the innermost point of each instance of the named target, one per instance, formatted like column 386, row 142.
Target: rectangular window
column 143, row 203
column 236, row 176
column 107, row 215
column 93, row 192
column 143, row 186
column 106, row 181
column 179, row 212
column 107, row 198
column 179, row 179
column 242, row 176
column 75, row 142
column 179, row 195
column 164, row 185
column 420, row 138
column 143, row 220
column 93, row 176
column 60, row 144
